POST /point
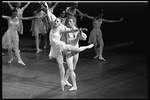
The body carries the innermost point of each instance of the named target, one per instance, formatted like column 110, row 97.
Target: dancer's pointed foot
column 38, row 51
column 90, row 46
column 2, row 54
column 73, row 89
column 96, row 56
column 51, row 57
column 21, row 62
column 63, row 85
column 67, row 83
column 101, row 58
column 10, row 61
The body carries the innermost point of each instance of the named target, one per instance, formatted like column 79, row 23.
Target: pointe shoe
column 63, row 85
column 10, row 61
column 67, row 83
column 73, row 89
column 21, row 62
column 51, row 57
column 101, row 58
column 38, row 51
column 96, row 56
column 90, row 46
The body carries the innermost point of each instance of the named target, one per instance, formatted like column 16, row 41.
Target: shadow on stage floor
column 123, row 75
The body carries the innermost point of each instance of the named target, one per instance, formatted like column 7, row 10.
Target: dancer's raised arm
column 11, row 7
column 54, row 6
column 51, row 16
column 23, row 8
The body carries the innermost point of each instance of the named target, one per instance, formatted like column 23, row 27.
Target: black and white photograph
column 74, row 49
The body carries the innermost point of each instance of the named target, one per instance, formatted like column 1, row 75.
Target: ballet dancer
column 96, row 34
column 19, row 13
column 72, row 58
column 58, row 46
column 10, row 39
column 73, row 11
column 38, row 28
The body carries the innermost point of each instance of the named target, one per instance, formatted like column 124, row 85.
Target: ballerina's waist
column 13, row 28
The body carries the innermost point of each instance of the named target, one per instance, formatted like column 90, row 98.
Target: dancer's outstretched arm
column 79, row 12
column 69, row 31
column 112, row 21
column 5, row 17
column 27, row 18
column 90, row 17
column 11, row 7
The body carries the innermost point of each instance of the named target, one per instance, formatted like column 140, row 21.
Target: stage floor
column 123, row 76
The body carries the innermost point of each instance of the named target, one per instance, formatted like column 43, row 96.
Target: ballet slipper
column 96, row 56
column 21, row 62
column 38, row 51
column 10, row 61
column 51, row 57
column 67, row 83
column 101, row 58
column 73, row 89
column 2, row 54
column 63, row 85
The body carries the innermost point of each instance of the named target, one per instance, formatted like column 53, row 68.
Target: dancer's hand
column 84, row 15
column 45, row 3
column 83, row 29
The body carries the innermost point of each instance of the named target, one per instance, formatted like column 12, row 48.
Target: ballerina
column 96, row 34
column 19, row 13
column 10, row 39
column 57, row 46
column 38, row 28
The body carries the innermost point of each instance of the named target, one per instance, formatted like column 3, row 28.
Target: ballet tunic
column 38, row 26
column 57, row 46
column 11, row 34
column 96, row 32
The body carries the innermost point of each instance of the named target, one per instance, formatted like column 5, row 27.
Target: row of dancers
column 64, row 36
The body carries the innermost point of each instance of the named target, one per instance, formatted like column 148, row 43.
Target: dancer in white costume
column 71, row 58
column 19, row 13
column 58, row 46
column 10, row 39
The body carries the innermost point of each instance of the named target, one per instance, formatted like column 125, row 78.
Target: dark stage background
column 133, row 28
